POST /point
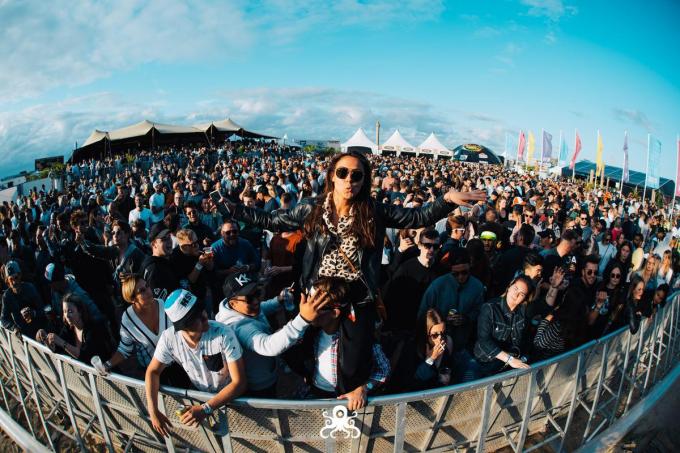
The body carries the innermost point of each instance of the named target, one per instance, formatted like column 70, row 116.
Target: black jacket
column 386, row 216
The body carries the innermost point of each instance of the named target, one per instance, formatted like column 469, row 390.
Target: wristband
column 429, row 361
column 198, row 267
column 507, row 362
column 108, row 365
column 207, row 410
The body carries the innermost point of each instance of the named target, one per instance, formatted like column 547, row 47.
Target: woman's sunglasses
column 354, row 175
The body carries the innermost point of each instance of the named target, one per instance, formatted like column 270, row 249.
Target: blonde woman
column 665, row 273
column 649, row 271
column 142, row 324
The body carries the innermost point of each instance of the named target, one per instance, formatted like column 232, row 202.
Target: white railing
column 559, row 404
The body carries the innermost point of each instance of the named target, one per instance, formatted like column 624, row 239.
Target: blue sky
column 469, row 71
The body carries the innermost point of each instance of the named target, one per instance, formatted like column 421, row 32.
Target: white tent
column 432, row 146
column 397, row 143
column 95, row 137
column 359, row 140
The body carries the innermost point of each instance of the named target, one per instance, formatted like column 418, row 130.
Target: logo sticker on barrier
column 340, row 420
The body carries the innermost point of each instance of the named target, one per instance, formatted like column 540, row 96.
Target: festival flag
column 530, row 147
column 577, row 149
column 599, row 168
column 625, row 177
column 546, row 152
column 510, row 144
column 653, row 157
column 521, row 145
column 564, row 150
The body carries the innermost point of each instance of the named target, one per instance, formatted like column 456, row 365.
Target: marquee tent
column 359, row 142
column 225, row 128
column 397, row 143
column 432, row 146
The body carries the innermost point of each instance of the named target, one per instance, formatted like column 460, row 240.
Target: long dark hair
column 430, row 318
column 363, row 226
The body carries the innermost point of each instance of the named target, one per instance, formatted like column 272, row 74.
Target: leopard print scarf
column 333, row 264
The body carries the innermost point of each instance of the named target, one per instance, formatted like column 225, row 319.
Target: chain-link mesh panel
column 461, row 420
column 384, row 419
column 249, row 421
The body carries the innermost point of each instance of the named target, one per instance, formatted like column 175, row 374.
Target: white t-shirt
column 158, row 200
column 206, row 365
column 144, row 214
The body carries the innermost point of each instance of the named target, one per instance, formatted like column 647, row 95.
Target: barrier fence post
column 20, row 392
column 69, row 406
column 36, row 397
column 484, row 421
column 100, row 411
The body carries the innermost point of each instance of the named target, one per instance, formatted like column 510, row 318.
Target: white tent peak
column 359, row 139
column 397, row 142
column 432, row 145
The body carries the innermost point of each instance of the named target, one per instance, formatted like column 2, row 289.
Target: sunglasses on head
column 354, row 175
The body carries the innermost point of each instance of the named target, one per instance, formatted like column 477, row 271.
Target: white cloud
column 312, row 113
column 56, row 44
column 552, row 9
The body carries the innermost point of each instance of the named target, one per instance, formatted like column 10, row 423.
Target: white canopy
column 359, row 139
column 433, row 146
column 143, row 128
column 222, row 126
column 397, row 143
column 95, row 137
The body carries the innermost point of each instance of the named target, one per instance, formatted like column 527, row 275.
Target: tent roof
column 95, row 136
column 433, row 143
column 222, row 126
column 635, row 178
column 144, row 127
column 397, row 141
column 360, row 139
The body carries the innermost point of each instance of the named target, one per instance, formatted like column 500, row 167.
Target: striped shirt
column 137, row 339
column 548, row 341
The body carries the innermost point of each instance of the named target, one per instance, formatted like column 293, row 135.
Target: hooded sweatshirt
column 260, row 345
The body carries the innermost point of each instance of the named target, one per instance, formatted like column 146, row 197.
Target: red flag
column 677, row 172
column 521, row 145
column 577, row 149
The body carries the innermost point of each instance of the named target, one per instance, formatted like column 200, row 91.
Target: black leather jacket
column 386, row 216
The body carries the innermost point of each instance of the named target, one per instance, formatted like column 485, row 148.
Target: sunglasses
column 190, row 244
column 230, row 233
column 615, row 275
column 429, row 245
column 354, row 175
column 590, row 272
column 437, row 335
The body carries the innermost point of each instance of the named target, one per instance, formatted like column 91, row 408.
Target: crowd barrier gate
column 559, row 404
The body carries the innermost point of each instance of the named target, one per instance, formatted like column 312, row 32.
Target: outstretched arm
column 276, row 221
column 399, row 217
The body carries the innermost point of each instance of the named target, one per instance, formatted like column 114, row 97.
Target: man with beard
column 232, row 253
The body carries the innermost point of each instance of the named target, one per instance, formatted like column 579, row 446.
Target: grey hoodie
column 260, row 346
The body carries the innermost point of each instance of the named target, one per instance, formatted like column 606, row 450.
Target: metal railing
column 559, row 404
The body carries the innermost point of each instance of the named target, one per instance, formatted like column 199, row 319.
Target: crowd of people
column 224, row 270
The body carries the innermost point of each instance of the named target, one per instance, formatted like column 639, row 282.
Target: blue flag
column 564, row 152
column 547, row 146
column 653, row 158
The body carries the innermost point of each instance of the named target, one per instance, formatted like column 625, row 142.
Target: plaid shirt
column 499, row 329
column 380, row 369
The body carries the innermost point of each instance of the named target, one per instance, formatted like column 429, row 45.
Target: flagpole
column 649, row 141
column 560, row 150
column 573, row 169
column 675, row 188
column 540, row 165
column 625, row 162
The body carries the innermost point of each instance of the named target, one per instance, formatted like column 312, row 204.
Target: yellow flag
column 599, row 169
column 530, row 147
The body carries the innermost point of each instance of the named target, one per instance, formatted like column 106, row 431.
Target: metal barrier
column 561, row 404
